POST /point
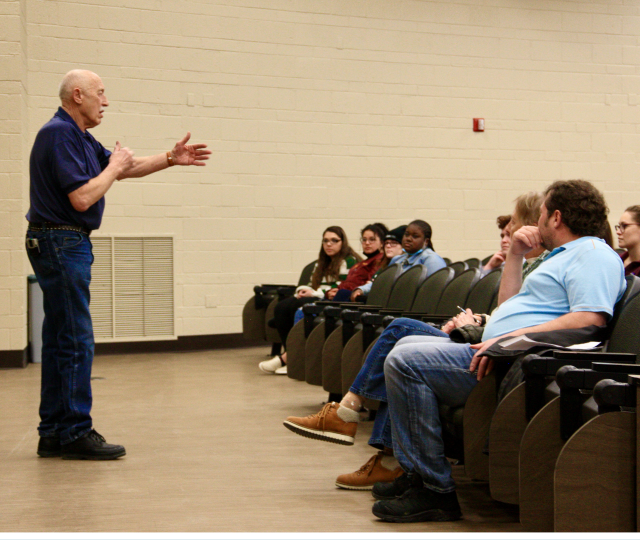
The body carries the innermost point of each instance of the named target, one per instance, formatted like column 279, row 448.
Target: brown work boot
column 333, row 423
column 371, row 472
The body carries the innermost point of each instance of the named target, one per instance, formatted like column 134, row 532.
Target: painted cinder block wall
column 320, row 112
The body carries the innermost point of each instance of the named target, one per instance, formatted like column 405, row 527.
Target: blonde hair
column 527, row 209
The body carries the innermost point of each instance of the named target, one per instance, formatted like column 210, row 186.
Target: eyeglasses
column 368, row 240
column 331, row 240
column 620, row 227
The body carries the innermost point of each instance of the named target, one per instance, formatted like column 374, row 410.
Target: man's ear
column 77, row 95
column 557, row 218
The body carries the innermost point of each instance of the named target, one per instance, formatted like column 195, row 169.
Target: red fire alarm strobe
column 478, row 124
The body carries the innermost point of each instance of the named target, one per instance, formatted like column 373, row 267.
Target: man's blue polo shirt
column 582, row 275
column 63, row 158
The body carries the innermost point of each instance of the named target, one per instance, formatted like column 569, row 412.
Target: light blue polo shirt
column 582, row 275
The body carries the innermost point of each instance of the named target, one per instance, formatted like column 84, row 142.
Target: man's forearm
column 511, row 280
column 86, row 196
column 578, row 319
column 143, row 166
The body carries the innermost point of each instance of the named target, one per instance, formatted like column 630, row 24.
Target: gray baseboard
column 183, row 343
column 14, row 359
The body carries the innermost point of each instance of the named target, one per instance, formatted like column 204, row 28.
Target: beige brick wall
column 14, row 138
column 322, row 112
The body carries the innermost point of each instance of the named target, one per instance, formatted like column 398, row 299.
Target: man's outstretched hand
column 190, row 154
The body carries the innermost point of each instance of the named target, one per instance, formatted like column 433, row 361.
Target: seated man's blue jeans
column 370, row 381
column 419, row 377
column 62, row 264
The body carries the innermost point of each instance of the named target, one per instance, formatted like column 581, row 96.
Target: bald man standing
column 70, row 172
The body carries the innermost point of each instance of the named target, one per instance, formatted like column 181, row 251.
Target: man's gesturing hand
column 122, row 159
column 189, row 154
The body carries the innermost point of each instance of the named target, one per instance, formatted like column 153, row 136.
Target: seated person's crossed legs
column 338, row 422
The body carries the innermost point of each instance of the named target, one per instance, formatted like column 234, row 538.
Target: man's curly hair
column 583, row 208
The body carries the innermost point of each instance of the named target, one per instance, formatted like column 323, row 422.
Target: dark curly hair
column 503, row 221
column 379, row 229
column 583, row 208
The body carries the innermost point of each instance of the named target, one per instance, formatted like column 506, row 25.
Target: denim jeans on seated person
column 370, row 381
column 62, row 264
column 419, row 377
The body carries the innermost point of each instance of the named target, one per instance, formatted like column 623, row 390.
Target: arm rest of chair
column 312, row 309
column 595, row 356
column 333, row 311
column 573, row 382
column 371, row 319
column 545, row 366
column 350, row 315
column 570, row 377
column 611, row 395
column 273, row 286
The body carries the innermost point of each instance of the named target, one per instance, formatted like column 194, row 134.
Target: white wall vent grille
column 132, row 288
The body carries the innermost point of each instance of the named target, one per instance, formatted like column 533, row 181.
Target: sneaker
column 281, row 370
column 49, row 447
column 270, row 366
column 326, row 425
column 92, row 446
column 371, row 472
column 391, row 489
column 419, row 504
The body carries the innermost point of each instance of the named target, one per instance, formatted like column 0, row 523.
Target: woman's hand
column 330, row 294
column 355, row 295
column 305, row 292
column 466, row 318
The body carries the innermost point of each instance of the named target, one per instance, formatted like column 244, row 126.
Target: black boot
column 390, row 490
column 419, row 504
column 49, row 447
column 92, row 446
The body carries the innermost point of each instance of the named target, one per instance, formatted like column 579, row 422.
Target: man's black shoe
column 49, row 447
column 92, row 446
column 419, row 504
column 384, row 491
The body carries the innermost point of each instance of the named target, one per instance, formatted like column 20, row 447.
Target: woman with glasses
column 628, row 231
column 335, row 259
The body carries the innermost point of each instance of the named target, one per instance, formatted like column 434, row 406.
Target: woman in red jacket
column 371, row 238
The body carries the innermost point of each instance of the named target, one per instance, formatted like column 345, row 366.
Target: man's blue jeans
column 62, row 264
column 419, row 377
column 370, row 381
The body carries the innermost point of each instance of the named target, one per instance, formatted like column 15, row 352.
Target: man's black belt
column 40, row 227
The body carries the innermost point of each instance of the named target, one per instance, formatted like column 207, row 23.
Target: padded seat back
column 382, row 285
column 459, row 267
column 625, row 337
column 481, row 296
column 456, row 293
column 406, row 286
column 473, row 262
column 430, row 292
column 305, row 275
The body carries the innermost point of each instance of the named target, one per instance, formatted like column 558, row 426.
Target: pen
column 461, row 309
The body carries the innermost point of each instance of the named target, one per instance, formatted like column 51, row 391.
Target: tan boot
column 327, row 425
column 371, row 472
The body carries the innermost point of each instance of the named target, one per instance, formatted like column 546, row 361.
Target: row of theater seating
column 550, row 451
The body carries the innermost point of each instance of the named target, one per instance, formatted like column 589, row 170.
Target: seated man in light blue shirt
column 577, row 285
